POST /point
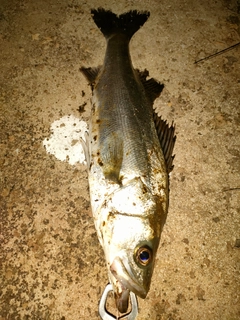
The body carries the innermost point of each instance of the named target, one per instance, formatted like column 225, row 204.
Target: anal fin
column 90, row 73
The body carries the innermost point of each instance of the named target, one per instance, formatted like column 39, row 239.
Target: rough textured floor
column 52, row 266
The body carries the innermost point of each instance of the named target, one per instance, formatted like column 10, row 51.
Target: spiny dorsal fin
column 152, row 87
column 167, row 138
column 90, row 73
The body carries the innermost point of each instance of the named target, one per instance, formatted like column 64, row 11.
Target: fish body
column 129, row 156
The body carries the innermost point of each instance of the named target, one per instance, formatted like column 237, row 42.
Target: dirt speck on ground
column 52, row 266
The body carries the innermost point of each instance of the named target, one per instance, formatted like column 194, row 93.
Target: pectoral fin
column 112, row 157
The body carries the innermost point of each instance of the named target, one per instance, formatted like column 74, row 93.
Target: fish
column 129, row 157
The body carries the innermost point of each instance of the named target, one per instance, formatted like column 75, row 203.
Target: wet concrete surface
column 52, row 266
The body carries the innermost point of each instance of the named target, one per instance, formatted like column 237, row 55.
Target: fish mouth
column 125, row 284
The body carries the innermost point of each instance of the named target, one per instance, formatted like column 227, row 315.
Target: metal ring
column 105, row 315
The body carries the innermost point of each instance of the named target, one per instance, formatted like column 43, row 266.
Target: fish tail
column 127, row 23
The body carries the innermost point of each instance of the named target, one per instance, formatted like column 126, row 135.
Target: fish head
column 130, row 238
column 132, row 264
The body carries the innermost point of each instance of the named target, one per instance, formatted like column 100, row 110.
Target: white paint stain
column 65, row 140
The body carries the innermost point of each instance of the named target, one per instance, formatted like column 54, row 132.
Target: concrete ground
column 52, row 266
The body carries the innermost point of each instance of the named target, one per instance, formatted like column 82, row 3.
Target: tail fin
column 127, row 23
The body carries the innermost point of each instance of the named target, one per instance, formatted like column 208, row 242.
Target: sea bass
column 129, row 156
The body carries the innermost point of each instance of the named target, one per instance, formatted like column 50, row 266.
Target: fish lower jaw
column 121, row 295
column 122, row 280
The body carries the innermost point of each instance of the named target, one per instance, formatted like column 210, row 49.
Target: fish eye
column 144, row 256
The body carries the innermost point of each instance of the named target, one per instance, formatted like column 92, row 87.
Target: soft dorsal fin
column 90, row 73
column 167, row 138
column 152, row 87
